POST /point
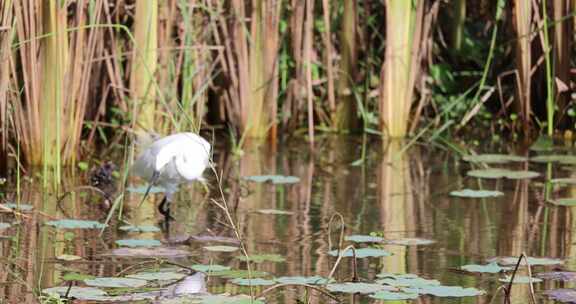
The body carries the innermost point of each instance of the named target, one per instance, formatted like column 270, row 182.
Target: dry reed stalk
column 6, row 32
column 327, row 34
column 404, row 22
column 562, row 46
column 458, row 22
column 346, row 117
column 308, row 41
column 144, row 63
column 523, row 29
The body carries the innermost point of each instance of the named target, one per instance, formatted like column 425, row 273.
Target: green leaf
column 83, row 166
column 113, row 282
column 314, row 280
column 221, row 248
column 275, row 179
column 19, row 207
column 393, row 296
column 144, row 228
column 275, row 212
column 520, row 279
column 533, row 261
column 68, row 257
column 363, row 253
column 354, row 287
column 359, row 238
column 259, row 258
column 470, row 193
column 80, row 293
column 494, row 158
column 238, row 273
column 139, row 243
column 74, row 276
column 210, row 268
column 562, row 159
column 501, row 173
column 408, row 282
column 564, row 181
column 488, row 268
column 252, row 282
column 446, row 291
column 157, row 276
column 569, row 202
column 410, row 242
column 75, row 224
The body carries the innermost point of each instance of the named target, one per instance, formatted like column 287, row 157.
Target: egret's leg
column 164, row 209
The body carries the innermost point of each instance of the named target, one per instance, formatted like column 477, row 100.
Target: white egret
column 170, row 161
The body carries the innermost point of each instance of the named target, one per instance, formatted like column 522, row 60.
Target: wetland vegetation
column 362, row 151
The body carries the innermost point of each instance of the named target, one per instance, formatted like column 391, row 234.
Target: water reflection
column 375, row 187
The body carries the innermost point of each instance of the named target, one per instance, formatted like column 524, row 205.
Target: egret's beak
column 151, row 183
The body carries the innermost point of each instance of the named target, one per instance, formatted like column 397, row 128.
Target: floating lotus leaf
column 408, row 282
column 144, row 228
column 494, row 158
column 4, row 226
column 211, row 299
column 358, row 238
column 68, row 257
column 209, row 268
column 362, row 253
column 114, row 282
column 357, row 287
column 252, row 282
column 149, row 252
column 141, row 189
column 275, row 179
column 565, row 276
column 80, row 293
column 520, row 279
column 75, row 224
column 564, row 181
column 532, row 260
column 566, row 295
column 157, row 276
column 259, row 258
column 139, row 243
column 397, row 275
column 494, row 173
column 564, row 202
column 19, row 207
column 238, row 273
column 446, row 291
column 314, row 280
column 563, row 159
column 275, row 212
column 410, row 242
column 476, row 193
column 74, row 276
column 394, row 296
column 488, row 268
column 221, row 248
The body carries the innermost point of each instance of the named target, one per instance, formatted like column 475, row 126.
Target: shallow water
column 398, row 195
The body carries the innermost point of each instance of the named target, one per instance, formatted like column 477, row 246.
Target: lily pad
column 314, row 280
column 410, row 242
column 144, row 228
column 532, row 260
column 446, row 291
column 19, row 207
column 412, row 282
column 141, row 189
column 238, row 273
column 114, row 282
column 143, row 252
column 397, row 275
column 554, row 158
column 4, row 226
column 139, row 243
column 520, row 279
column 488, row 268
column 362, row 253
column 209, row 268
column 565, row 295
column 221, row 248
column 211, row 299
column 566, row 276
column 358, row 238
column 259, row 258
column 476, row 193
column 252, row 282
column 357, row 287
column 564, row 201
column 494, row 158
column 494, row 173
column 564, row 181
column 74, row 276
column 275, row 179
column 157, row 276
column 394, row 296
column 68, row 257
column 275, row 212
column 80, row 293
column 75, row 224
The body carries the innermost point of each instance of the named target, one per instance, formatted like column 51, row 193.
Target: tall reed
column 6, row 32
column 523, row 28
column 404, row 21
column 563, row 43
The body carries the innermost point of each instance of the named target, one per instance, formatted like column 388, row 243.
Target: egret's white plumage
column 173, row 160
